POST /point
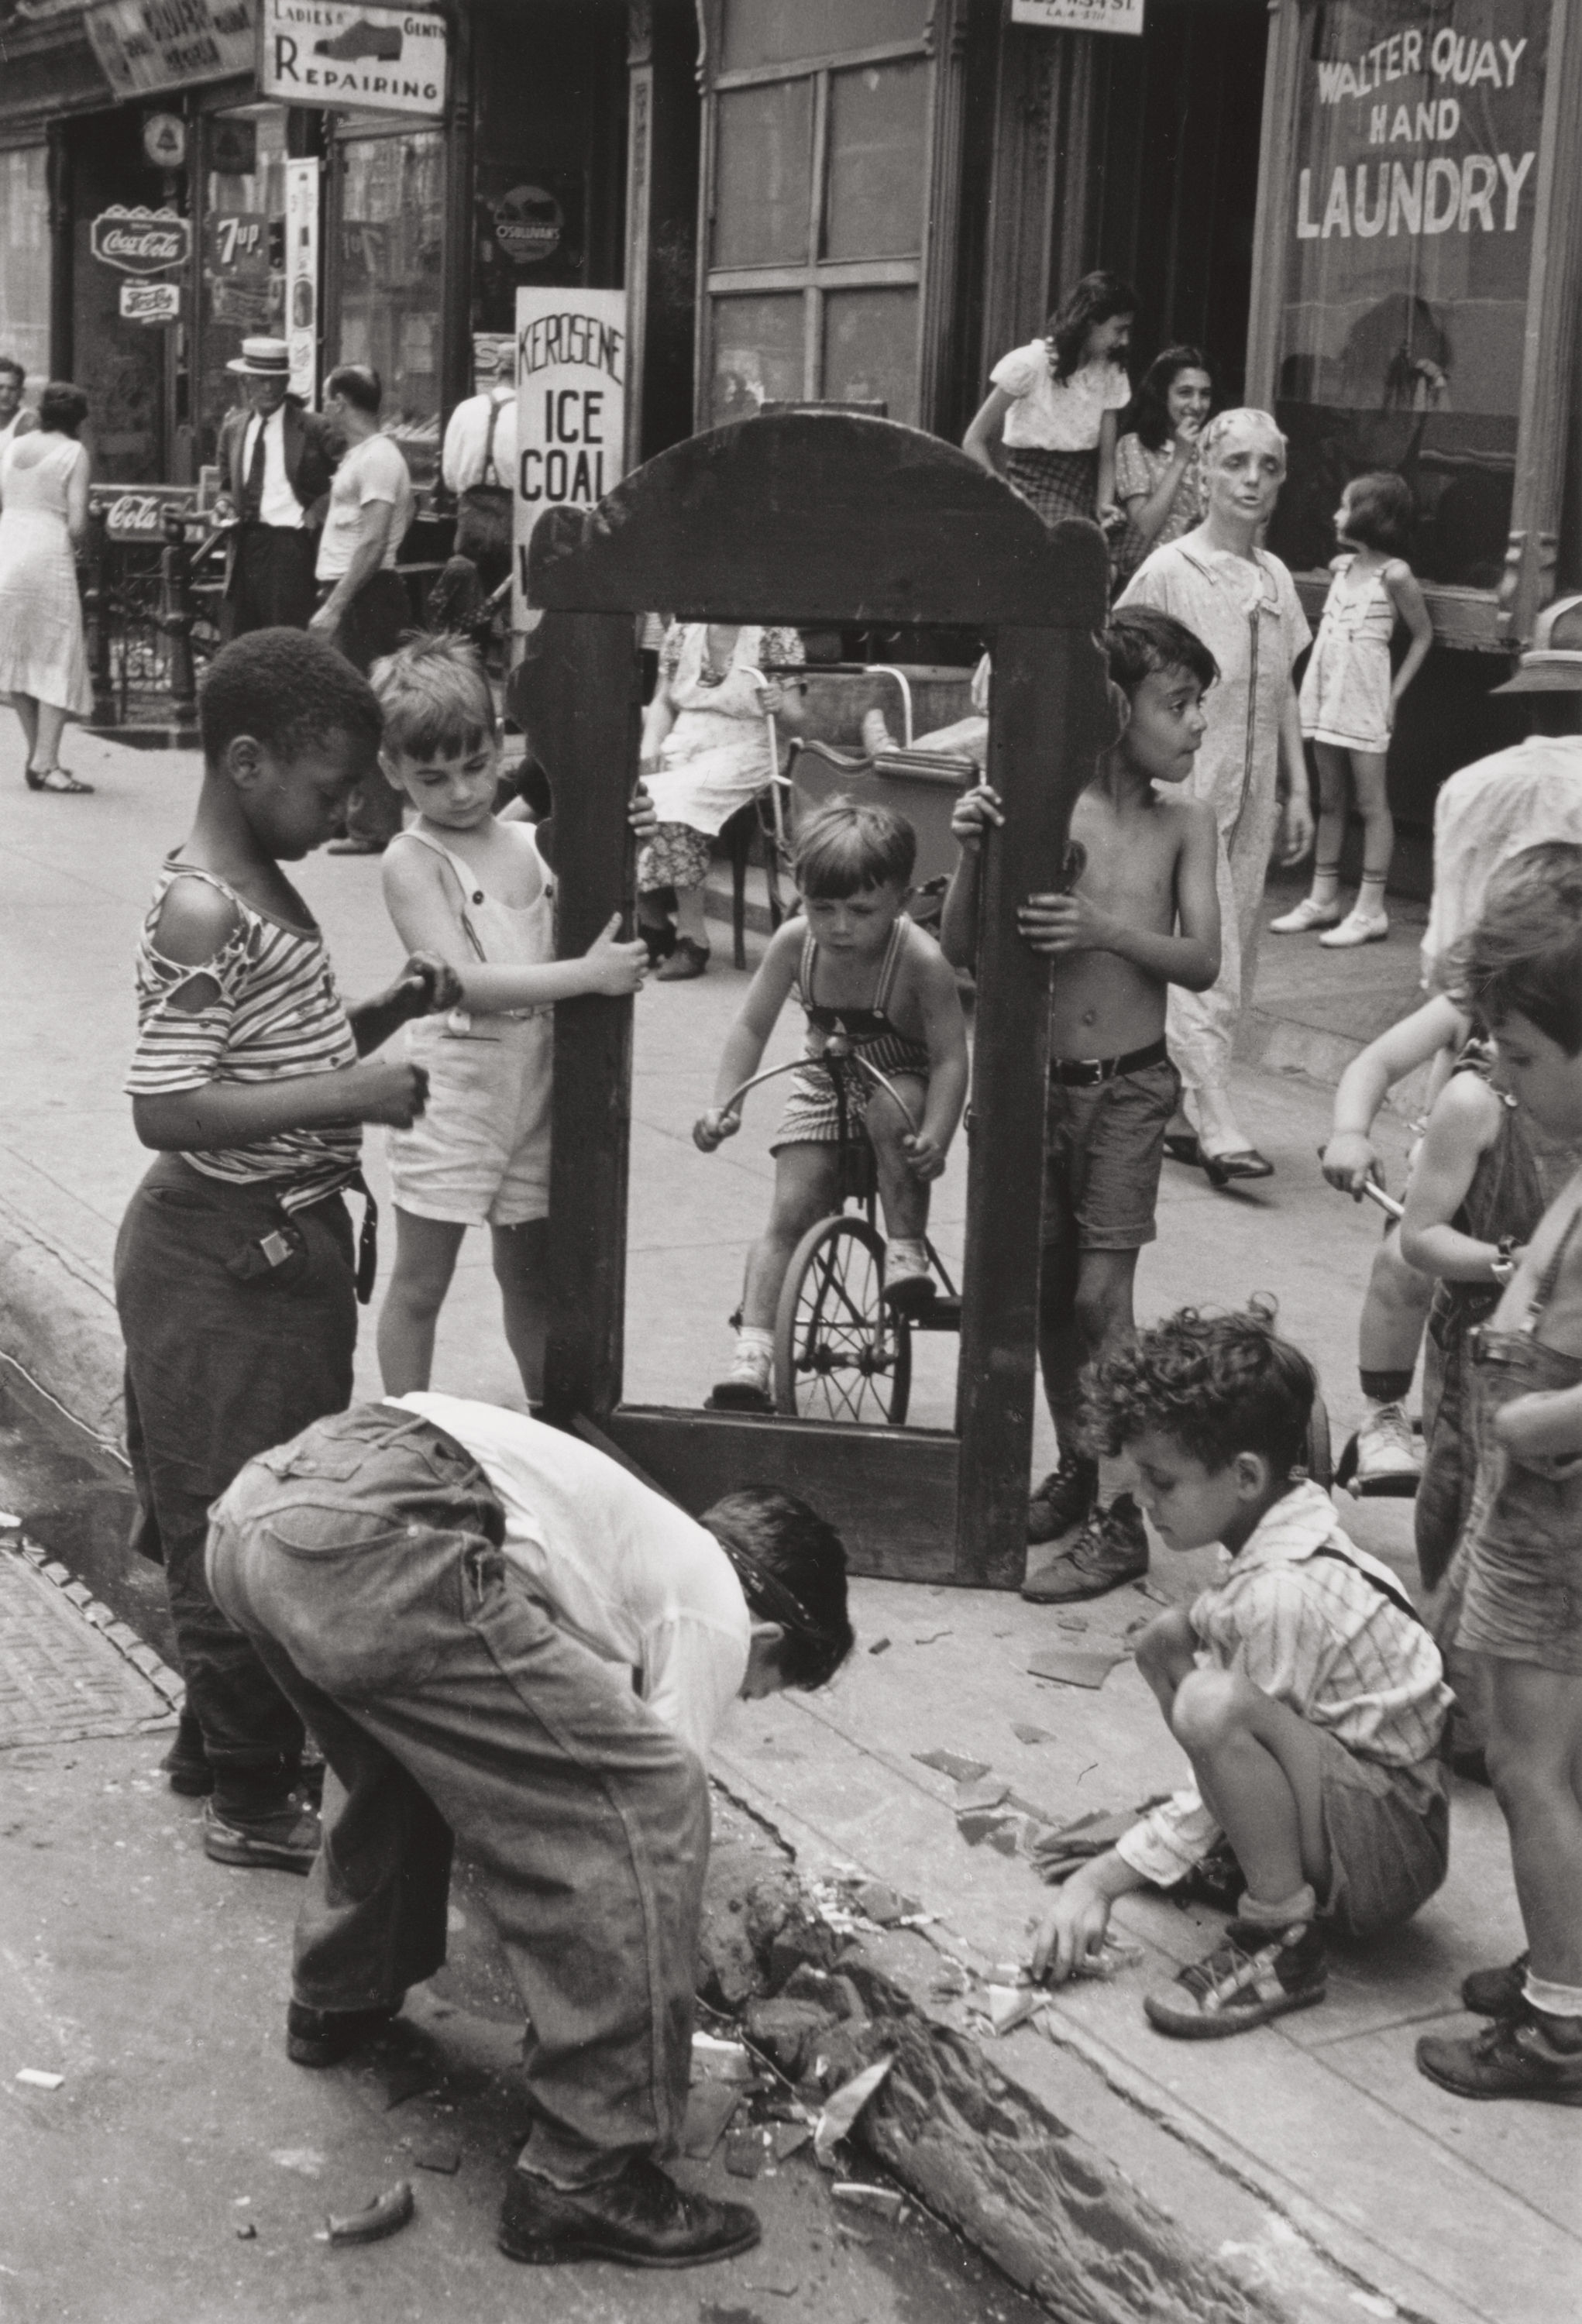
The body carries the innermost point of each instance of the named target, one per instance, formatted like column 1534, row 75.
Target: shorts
column 677, row 856
column 479, row 1153
column 1523, row 1605
column 812, row 1111
column 1389, row 1835
column 1104, row 1149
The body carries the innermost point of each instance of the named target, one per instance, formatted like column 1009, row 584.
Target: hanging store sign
column 138, row 513
column 1079, row 15
column 164, row 140
column 302, row 277
column 529, row 224
column 329, row 52
column 151, row 302
column 144, row 45
column 570, row 406
column 140, row 241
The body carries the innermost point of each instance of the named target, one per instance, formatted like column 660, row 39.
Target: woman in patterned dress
column 705, row 754
column 44, row 512
column 1159, row 466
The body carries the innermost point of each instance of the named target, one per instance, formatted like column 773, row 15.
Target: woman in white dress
column 44, row 512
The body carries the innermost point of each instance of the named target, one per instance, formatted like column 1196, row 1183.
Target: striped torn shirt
column 276, row 1013
column 1306, row 1616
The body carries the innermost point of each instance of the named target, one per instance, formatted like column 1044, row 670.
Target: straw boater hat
column 263, row 359
column 1553, row 663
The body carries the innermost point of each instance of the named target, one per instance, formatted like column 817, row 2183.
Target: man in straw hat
column 277, row 459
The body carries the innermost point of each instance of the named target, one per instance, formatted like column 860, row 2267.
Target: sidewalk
column 1310, row 2173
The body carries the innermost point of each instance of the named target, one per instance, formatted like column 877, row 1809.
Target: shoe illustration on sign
column 380, row 41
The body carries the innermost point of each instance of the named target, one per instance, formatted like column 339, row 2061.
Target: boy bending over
column 873, row 983
column 1304, row 1690
column 1141, row 913
column 1520, row 971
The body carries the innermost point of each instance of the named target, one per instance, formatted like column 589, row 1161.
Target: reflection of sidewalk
column 1308, row 2159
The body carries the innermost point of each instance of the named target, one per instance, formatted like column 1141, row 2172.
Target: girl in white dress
column 1349, row 699
column 44, row 512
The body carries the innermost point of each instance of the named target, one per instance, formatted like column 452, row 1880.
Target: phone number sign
column 1079, row 15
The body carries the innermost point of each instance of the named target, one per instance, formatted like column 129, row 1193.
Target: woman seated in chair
column 706, row 752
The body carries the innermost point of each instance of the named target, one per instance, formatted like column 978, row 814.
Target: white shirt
column 1485, row 814
column 373, row 470
column 461, row 463
column 1056, row 415
column 279, row 506
column 621, row 1569
column 1316, row 1633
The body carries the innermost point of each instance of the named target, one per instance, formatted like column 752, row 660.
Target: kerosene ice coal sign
column 334, row 53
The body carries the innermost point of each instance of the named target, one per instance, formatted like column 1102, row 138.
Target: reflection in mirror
column 780, row 1087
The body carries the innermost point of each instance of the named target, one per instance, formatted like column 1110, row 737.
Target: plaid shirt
column 1315, row 1632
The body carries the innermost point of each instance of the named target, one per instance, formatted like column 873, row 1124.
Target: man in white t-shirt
column 498, row 1634
column 363, row 605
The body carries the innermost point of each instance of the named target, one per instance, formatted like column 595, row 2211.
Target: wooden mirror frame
column 818, row 519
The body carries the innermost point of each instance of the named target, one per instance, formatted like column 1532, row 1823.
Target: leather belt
column 1087, row 1073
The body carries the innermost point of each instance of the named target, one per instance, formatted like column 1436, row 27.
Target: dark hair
column 792, row 1566
column 62, row 408
column 1140, row 641
column 288, row 691
column 1380, row 509
column 1524, row 955
column 1151, row 417
column 10, row 364
column 847, row 846
column 1098, row 298
column 436, row 697
column 1216, row 1384
column 360, row 384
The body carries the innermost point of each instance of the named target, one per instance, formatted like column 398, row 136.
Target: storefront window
column 819, row 202
column 1406, row 273
column 241, row 292
column 392, row 221
column 24, row 263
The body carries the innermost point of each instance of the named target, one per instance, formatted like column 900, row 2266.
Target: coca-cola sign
column 141, row 241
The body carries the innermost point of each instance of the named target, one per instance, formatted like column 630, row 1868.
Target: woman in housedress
column 43, row 511
column 1241, row 602
column 705, row 754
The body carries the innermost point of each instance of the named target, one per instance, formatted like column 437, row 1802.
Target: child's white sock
column 1301, row 1905
column 1553, row 2000
column 1326, row 884
column 906, row 1254
column 751, row 1339
column 1370, row 896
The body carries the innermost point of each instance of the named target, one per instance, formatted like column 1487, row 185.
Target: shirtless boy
column 1141, row 914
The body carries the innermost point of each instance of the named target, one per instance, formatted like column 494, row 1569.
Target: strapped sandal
column 59, row 779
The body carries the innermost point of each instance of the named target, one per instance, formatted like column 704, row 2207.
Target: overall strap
column 458, row 870
column 496, row 403
column 805, row 967
column 890, row 967
column 1390, row 1590
column 1544, row 1290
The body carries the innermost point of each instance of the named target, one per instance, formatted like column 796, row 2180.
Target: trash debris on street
column 36, row 2078
column 386, row 2215
column 841, row 2110
column 1076, row 1665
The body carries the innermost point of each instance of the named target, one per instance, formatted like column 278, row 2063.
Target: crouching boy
column 1304, row 1690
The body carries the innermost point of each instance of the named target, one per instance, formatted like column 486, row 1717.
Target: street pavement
column 1310, row 2151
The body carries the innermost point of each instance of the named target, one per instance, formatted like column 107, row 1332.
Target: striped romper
column 813, row 1112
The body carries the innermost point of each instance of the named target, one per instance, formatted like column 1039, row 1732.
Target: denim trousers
column 219, row 1367
column 364, row 1562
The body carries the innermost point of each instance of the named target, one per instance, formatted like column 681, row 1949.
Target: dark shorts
column 1104, row 1149
column 1389, row 1835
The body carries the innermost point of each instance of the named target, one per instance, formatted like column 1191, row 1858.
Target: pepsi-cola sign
column 140, row 241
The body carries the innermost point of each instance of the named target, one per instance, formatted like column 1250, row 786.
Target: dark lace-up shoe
column 1111, row 1548
column 1064, row 1501
column 323, row 2037
column 640, row 2219
column 1496, row 1992
column 1531, row 2057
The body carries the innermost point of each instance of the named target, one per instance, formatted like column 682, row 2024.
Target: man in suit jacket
column 277, row 459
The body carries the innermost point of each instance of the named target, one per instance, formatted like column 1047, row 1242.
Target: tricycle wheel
column 839, row 1354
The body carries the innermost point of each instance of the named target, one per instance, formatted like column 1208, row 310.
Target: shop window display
column 25, row 263
column 1405, row 289
column 391, row 217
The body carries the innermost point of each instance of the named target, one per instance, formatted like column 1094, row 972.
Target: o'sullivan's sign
column 570, row 405
column 331, row 52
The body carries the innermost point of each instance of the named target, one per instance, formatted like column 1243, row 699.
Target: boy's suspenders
column 1392, row 1590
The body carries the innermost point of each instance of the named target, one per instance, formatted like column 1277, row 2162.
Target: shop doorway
column 1161, row 175
column 125, row 368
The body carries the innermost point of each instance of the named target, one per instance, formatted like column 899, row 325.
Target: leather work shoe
column 287, row 1841
column 1064, row 1501
column 1111, row 1548
column 640, row 2219
column 323, row 2037
column 1511, row 2058
column 1496, row 1992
